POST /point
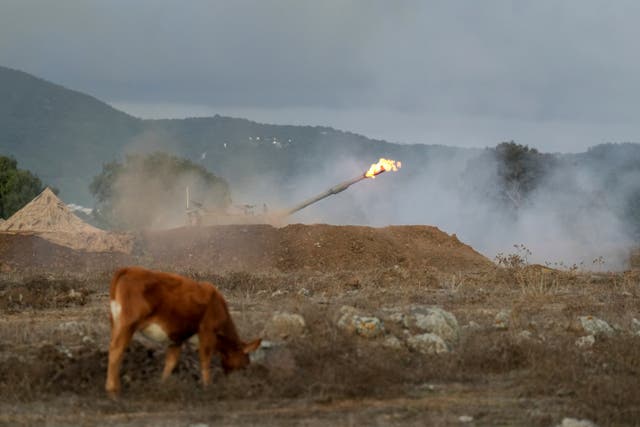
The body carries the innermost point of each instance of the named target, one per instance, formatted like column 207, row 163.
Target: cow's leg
column 207, row 345
column 171, row 360
column 120, row 338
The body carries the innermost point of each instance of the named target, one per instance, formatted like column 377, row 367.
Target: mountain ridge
column 65, row 136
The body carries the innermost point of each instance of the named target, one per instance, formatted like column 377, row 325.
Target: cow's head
column 237, row 357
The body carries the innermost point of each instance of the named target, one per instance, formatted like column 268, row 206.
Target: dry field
column 515, row 359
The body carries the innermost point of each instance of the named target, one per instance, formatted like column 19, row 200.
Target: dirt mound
column 261, row 248
column 311, row 247
column 26, row 252
column 49, row 217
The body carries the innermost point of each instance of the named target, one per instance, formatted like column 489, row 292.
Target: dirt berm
column 260, row 248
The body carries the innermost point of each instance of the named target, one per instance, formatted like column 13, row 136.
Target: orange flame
column 383, row 165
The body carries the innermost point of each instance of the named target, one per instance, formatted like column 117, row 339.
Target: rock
column 74, row 295
column 574, row 422
column 392, row 342
column 472, row 326
column 304, row 292
column 398, row 318
column 523, row 336
column 284, row 326
column 427, row 344
column 594, row 326
column 465, row 419
column 586, row 341
column 260, row 354
column 65, row 351
column 368, row 327
column 276, row 357
column 436, row 321
column 501, row 320
column 345, row 320
column 352, row 322
column 71, row 327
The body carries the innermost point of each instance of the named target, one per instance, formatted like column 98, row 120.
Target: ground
column 515, row 362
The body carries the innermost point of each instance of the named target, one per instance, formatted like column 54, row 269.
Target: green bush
column 17, row 187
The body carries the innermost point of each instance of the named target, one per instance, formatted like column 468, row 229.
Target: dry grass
column 38, row 360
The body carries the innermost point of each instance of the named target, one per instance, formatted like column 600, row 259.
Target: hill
column 65, row 136
column 62, row 135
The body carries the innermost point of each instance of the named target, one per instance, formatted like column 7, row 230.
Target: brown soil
column 260, row 248
column 311, row 247
column 54, row 333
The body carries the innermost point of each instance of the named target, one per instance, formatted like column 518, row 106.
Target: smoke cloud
column 570, row 220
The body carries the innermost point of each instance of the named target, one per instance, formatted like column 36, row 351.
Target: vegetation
column 147, row 190
column 17, row 187
column 509, row 173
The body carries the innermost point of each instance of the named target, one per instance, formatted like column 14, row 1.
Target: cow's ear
column 252, row 346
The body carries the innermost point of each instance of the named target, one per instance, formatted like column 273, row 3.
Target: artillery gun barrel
column 333, row 190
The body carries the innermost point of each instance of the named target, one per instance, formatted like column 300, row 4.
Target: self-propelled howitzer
column 333, row 190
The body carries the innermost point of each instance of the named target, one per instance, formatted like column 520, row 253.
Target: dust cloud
column 573, row 218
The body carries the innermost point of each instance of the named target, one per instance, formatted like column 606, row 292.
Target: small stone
column 398, row 318
column 436, row 321
column 428, row 344
column 586, row 341
column 501, row 320
column 284, row 326
column 73, row 294
column 345, row 321
column 304, row 292
column 594, row 326
column 64, row 350
column 465, row 418
column 524, row 335
column 471, row 326
column 71, row 327
column 260, row 354
column 574, row 422
column 368, row 327
column 392, row 342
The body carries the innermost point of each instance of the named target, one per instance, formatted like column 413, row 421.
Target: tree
column 508, row 173
column 146, row 191
column 17, row 187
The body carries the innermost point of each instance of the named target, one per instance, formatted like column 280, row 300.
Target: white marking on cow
column 116, row 309
column 155, row 332
column 194, row 341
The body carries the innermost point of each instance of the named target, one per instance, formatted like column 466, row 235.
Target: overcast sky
column 556, row 75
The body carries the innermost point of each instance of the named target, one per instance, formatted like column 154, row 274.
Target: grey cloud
column 547, row 63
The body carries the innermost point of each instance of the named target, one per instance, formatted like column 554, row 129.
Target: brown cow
column 170, row 308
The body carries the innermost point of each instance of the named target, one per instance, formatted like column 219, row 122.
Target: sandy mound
column 47, row 216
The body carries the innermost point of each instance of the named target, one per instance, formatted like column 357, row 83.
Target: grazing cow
column 170, row 308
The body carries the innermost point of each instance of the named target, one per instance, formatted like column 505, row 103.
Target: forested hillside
column 65, row 137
